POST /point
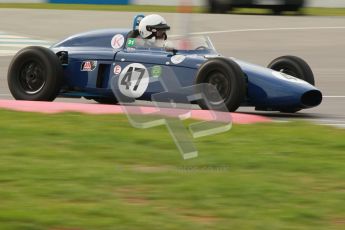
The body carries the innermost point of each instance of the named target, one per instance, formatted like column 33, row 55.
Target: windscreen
column 198, row 43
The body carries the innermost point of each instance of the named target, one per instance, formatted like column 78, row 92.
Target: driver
column 151, row 28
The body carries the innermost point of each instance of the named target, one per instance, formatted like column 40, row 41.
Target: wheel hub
column 32, row 78
column 222, row 86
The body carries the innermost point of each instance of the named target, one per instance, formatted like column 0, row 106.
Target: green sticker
column 156, row 71
column 131, row 42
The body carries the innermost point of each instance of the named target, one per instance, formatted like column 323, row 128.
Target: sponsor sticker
column 88, row 66
column 117, row 41
column 177, row 59
column 131, row 42
column 131, row 49
column 117, row 70
column 156, row 71
column 134, row 80
column 287, row 77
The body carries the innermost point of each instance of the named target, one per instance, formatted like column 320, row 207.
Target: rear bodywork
column 266, row 89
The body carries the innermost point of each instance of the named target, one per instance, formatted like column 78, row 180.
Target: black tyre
column 293, row 66
column 35, row 74
column 228, row 78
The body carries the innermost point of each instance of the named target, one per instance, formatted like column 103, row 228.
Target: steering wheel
column 201, row 48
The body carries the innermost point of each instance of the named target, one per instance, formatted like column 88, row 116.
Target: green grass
column 147, row 8
column 73, row 171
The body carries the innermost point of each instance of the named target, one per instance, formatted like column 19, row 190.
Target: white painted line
column 5, row 95
column 340, row 124
column 333, row 96
column 21, row 40
column 327, row 120
column 281, row 121
column 268, row 29
column 13, row 45
column 336, row 125
column 7, row 52
column 10, row 36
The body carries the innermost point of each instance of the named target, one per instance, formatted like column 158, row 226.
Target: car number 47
column 134, row 80
column 127, row 79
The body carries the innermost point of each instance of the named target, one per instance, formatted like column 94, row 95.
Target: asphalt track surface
column 253, row 38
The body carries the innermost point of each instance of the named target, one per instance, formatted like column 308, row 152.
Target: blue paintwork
column 268, row 91
column 265, row 91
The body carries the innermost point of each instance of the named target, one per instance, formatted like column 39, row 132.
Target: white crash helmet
column 152, row 26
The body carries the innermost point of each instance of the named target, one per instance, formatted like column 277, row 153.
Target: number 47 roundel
column 134, row 80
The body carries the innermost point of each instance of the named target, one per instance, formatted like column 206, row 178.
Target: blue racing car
column 95, row 64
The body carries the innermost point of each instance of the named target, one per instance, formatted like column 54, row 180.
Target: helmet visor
column 158, row 27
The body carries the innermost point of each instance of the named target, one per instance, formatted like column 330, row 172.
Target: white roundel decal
column 117, row 41
column 117, row 70
column 177, row 59
column 134, row 80
column 287, row 77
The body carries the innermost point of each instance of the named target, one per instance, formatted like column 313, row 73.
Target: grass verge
column 73, row 171
column 149, row 8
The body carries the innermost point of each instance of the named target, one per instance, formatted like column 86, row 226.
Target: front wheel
column 227, row 78
column 296, row 67
column 35, row 74
column 293, row 66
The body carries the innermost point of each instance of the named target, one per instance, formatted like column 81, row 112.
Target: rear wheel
column 293, row 66
column 227, row 77
column 35, row 74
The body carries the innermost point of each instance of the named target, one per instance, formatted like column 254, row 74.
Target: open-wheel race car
column 86, row 65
